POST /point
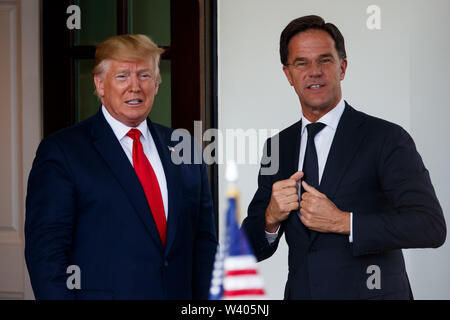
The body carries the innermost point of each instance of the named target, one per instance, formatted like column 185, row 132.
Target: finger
column 304, row 212
column 306, row 195
column 311, row 189
column 306, row 208
column 296, row 176
column 304, row 219
column 282, row 184
column 293, row 206
column 303, row 204
column 288, row 191
column 292, row 198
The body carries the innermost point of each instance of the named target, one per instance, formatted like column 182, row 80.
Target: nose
column 316, row 69
column 134, row 86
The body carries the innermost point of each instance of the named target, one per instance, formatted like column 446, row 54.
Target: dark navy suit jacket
column 85, row 206
column 374, row 171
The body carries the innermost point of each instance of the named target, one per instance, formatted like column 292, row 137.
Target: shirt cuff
column 271, row 237
column 350, row 237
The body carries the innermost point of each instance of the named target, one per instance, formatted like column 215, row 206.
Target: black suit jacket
column 85, row 206
column 374, row 171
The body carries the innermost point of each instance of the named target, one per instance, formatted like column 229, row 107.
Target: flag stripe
column 246, row 297
column 242, row 282
column 240, row 272
column 240, row 262
column 243, row 292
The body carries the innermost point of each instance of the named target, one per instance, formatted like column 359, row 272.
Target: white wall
column 398, row 73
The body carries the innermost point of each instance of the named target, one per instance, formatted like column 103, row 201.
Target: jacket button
column 166, row 263
column 312, row 249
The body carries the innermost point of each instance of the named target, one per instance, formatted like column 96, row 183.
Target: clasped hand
column 317, row 212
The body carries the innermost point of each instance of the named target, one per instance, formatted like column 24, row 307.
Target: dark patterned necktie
column 310, row 163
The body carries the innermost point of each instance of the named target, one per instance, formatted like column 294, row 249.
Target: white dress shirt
column 322, row 140
column 148, row 144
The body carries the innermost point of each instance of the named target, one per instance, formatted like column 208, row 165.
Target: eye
column 325, row 60
column 145, row 76
column 300, row 64
column 121, row 77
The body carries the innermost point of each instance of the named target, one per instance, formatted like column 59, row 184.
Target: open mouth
column 134, row 102
column 316, row 86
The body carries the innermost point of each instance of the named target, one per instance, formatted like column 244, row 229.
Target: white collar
column 330, row 119
column 120, row 129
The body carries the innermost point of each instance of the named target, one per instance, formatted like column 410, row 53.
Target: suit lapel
column 111, row 151
column 174, row 188
column 290, row 151
column 289, row 156
column 347, row 139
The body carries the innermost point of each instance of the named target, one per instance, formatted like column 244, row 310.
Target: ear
column 288, row 75
column 156, row 87
column 343, row 68
column 99, row 82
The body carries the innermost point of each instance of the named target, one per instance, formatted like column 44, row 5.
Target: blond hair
column 127, row 47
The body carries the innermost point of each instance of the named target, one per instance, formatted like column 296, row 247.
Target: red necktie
column 149, row 182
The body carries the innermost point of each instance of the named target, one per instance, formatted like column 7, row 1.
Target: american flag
column 235, row 274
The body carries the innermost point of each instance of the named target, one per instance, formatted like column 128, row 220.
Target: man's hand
column 283, row 200
column 318, row 213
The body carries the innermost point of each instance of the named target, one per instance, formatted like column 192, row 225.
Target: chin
column 317, row 106
column 322, row 104
column 134, row 121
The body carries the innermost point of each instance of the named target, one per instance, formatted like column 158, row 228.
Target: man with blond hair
column 108, row 214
